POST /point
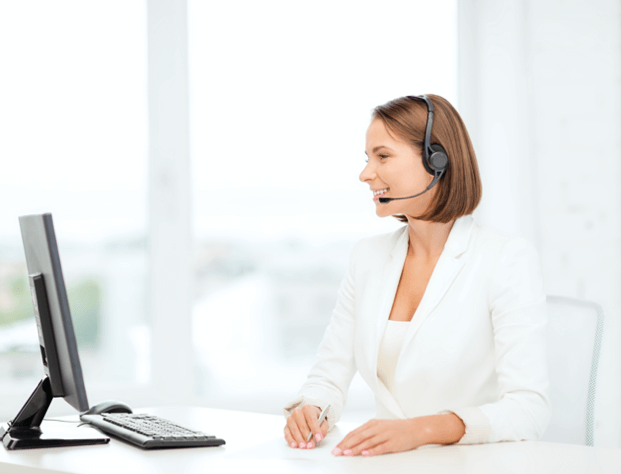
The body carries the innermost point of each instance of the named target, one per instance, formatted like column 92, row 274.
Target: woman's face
column 394, row 165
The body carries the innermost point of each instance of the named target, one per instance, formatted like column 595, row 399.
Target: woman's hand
column 301, row 422
column 384, row 436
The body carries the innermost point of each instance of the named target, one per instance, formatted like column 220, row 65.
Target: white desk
column 255, row 443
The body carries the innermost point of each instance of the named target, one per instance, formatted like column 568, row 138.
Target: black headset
column 435, row 159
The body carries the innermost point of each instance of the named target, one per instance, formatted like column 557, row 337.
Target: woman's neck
column 427, row 239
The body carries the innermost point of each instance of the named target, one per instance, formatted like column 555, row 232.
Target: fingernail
column 310, row 445
column 337, row 451
column 348, row 452
column 302, row 445
column 293, row 445
column 318, row 437
column 365, row 453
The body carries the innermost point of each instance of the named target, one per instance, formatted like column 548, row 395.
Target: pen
column 322, row 417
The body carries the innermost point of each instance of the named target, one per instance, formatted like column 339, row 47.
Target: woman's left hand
column 383, row 436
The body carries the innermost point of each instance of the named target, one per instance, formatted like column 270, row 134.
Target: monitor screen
column 60, row 352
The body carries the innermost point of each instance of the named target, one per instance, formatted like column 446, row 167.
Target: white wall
column 540, row 92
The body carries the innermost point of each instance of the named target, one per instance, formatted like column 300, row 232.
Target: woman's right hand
column 302, row 421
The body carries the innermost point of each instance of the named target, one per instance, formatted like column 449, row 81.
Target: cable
column 61, row 421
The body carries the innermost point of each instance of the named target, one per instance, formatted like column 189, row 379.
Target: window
column 281, row 95
column 73, row 127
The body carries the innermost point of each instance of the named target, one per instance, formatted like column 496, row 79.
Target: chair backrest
column 574, row 337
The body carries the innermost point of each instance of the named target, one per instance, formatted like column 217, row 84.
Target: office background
column 201, row 162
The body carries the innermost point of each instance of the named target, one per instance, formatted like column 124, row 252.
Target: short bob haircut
column 459, row 191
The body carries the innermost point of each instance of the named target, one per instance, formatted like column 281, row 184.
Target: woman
column 444, row 318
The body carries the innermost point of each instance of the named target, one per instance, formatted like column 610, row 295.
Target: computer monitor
column 59, row 349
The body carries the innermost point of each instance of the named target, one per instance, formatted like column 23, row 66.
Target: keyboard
column 149, row 432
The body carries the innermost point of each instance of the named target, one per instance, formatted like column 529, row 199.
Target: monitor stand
column 24, row 431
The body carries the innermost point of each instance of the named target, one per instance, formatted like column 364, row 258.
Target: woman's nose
column 367, row 173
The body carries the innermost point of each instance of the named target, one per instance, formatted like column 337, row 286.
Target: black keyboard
column 148, row 431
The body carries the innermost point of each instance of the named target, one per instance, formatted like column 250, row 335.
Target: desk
column 255, row 443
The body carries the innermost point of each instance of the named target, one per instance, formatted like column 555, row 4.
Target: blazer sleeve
column 329, row 379
column 517, row 305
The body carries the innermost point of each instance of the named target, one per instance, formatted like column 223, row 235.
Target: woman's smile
column 379, row 193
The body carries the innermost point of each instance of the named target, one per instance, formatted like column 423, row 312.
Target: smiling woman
column 443, row 318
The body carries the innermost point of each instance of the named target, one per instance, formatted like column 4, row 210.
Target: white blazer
column 475, row 347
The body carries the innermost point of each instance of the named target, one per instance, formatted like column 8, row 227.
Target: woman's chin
column 381, row 212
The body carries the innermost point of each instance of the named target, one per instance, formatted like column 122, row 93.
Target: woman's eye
column 381, row 157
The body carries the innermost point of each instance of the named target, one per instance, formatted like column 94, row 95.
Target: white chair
column 574, row 337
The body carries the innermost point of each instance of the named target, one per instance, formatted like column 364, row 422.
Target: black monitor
column 59, row 349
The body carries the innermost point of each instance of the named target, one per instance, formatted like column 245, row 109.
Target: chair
column 574, row 337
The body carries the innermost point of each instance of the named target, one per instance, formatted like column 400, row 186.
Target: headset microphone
column 436, row 178
column 435, row 159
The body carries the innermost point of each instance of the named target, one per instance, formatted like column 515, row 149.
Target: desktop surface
column 255, row 443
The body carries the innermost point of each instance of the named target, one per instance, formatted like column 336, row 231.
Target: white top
column 389, row 350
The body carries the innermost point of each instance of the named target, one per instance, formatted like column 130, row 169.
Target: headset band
column 427, row 145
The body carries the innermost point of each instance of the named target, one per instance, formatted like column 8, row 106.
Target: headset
column 435, row 159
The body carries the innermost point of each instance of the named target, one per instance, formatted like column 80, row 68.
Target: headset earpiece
column 438, row 161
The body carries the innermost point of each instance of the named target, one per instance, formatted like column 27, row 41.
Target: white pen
column 320, row 421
